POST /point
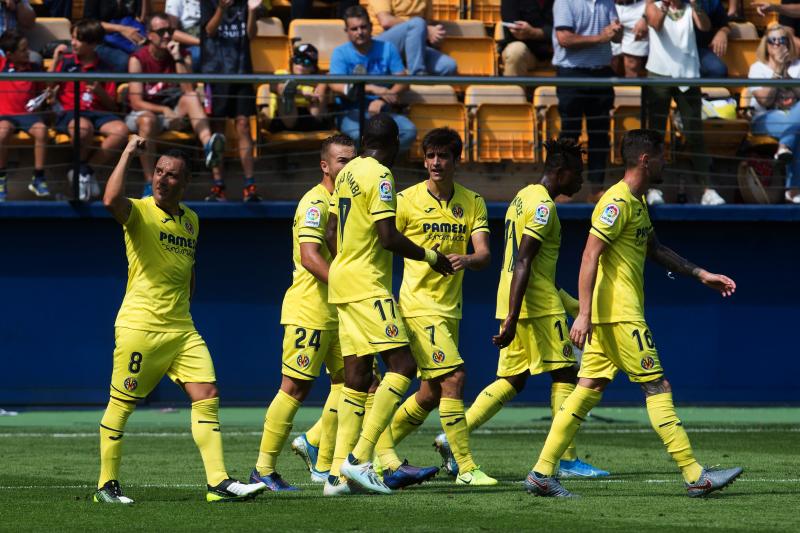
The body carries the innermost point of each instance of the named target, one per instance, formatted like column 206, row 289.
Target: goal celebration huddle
column 340, row 312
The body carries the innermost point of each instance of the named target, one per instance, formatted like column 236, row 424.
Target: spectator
column 225, row 49
column 776, row 111
column 14, row 116
column 734, row 9
column 403, row 23
column 630, row 55
column 97, row 101
column 789, row 11
column 582, row 35
column 365, row 55
column 673, row 54
column 527, row 31
column 16, row 14
column 159, row 106
column 122, row 21
column 302, row 9
column 713, row 43
column 300, row 107
column 186, row 17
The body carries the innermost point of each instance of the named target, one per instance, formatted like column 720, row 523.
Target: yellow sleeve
column 609, row 218
column 312, row 217
column 538, row 221
column 333, row 206
column 136, row 214
column 401, row 219
column 382, row 198
column 480, row 222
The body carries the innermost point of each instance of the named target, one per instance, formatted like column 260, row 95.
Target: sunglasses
column 303, row 60
column 776, row 41
column 164, row 32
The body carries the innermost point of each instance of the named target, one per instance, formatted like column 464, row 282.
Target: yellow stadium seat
column 442, row 10
column 269, row 26
column 464, row 28
column 474, row 56
column 487, row 11
column 751, row 15
column 740, row 55
column 430, row 116
column 270, row 53
column 625, row 115
column 268, row 141
column 504, row 132
column 494, row 94
column 324, row 34
column 429, row 94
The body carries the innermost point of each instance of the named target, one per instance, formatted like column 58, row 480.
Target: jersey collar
column 439, row 200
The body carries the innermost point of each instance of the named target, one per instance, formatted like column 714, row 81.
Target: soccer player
column 441, row 213
column 311, row 334
column 154, row 331
column 534, row 336
column 611, row 321
column 362, row 232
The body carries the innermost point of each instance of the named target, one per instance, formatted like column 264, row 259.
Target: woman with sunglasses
column 776, row 111
column 300, row 107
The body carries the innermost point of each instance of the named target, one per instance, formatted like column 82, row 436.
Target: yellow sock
column 368, row 404
column 111, row 430
column 665, row 421
column 454, row 423
column 489, row 402
column 570, row 303
column 314, row 433
column 385, row 450
column 558, row 393
column 277, row 426
column 387, row 399
column 351, row 415
column 207, row 437
column 408, row 418
column 565, row 424
column 328, row 422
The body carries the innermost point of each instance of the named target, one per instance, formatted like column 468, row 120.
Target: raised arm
column 654, row 15
column 312, row 260
column 397, row 243
column 700, row 17
column 114, row 198
column 586, row 280
column 216, row 19
column 673, row 262
column 528, row 248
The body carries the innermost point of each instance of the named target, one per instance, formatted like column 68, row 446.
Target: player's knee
column 201, row 391
column 518, row 381
column 404, row 365
column 296, row 388
column 453, row 383
column 565, row 375
column 595, row 384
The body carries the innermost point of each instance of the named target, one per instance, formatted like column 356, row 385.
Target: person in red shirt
column 159, row 106
column 14, row 117
column 97, row 102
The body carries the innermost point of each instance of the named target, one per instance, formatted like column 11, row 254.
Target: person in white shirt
column 776, row 111
column 673, row 54
column 631, row 54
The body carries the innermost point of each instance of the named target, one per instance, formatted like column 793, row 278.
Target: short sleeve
column 609, row 219
column 538, row 220
column 401, row 218
column 396, row 65
column 333, row 205
column 136, row 214
column 382, row 197
column 480, row 221
column 312, row 217
column 562, row 16
column 338, row 63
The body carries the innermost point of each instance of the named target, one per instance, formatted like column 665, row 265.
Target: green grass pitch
column 49, row 465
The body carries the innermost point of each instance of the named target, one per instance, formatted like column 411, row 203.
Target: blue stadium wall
column 63, row 272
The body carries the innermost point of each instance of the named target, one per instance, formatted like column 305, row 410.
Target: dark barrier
column 62, row 277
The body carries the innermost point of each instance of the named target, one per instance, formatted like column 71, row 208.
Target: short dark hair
column 159, row 15
column 638, row 142
column 563, row 153
column 447, row 138
column 177, row 153
column 338, row 138
column 380, row 132
column 89, row 31
column 9, row 41
column 355, row 12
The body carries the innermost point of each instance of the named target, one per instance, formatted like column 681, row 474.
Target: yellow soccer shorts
column 142, row 358
column 371, row 326
column 434, row 345
column 626, row 346
column 305, row 349
column 540, row 345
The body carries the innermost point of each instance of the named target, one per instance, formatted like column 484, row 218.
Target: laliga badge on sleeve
column 313, row 217
column 385, row 190
column 542, row 214
column 609, row 214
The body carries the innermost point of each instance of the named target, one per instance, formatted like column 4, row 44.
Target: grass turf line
column 164, row 474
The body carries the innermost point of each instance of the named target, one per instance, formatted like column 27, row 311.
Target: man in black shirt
column 527, row 34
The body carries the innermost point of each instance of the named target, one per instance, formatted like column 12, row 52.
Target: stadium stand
column 475, row 56
column 487, row 11
column 741, row 53
column 434, row 106
column 324, row 34
column 270, row 49
column 502, row 124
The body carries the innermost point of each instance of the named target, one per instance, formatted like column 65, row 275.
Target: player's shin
column 351, row 415
column 559, row 392
column 666, row 423
column 207, row 437
column 408, row 418
column 454, row 423
column 277, row 425
column 565, row 424
column 314, row 433
column 328, row 423
column 489, row 402
column 111, row 429
column 387, row 399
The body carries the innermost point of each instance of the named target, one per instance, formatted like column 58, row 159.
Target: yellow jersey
column 621, row 220
column 306, row 301
column 532, row 213
column 427, row 221
column 160, row 249
column 362, row 268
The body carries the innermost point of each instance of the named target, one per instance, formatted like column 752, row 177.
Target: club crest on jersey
column 609, row 214
column 458, row 211
column 303, row 360
column 392, row 331
column 313, row 217
column 567, row 351
column 438, row 356
column 189, row 227
column 385, row 190
column 130, row 384
column 648, row 362
column 542, row 214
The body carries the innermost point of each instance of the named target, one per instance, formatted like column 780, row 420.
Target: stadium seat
column 487, row 11
column 740, row 55
column 428, row 94
column 269, row 26
column 751, row 15
column 77, row 10
column 475, row 56
column 625, row 115
column 324, row 34
column 46, row 30
column 430, row 116
column 270, row 53
column 464, row 28
column 723, row 137
column 742, row 30
column 270, row 142
column 442, row 10
column 502, row 123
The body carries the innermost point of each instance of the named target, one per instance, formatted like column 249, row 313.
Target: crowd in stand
column 580, row 38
